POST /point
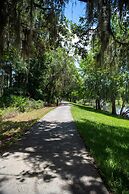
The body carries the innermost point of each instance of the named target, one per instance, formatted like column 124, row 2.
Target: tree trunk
column 96, row 102
column 113, row 106
column 98, row 106
column 10, row 78
column 123, row 105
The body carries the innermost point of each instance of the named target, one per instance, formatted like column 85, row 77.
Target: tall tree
column 99, row 18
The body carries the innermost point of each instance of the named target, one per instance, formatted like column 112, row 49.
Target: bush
column 20, row 103
column 5, row 101
column 33, row 104
column 39, row 104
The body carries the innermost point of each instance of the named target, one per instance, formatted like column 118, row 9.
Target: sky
column 75, row 9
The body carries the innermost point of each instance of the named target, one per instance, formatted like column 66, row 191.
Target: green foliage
column 5, row 101
column 108, row 140
column 57, row 76
column 13, row 104
column 23, row 51
column 106, row 80
column 19, row 102
column 33, row 104
column 14, row 101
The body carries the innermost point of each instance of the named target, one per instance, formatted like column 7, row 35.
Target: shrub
column 39, row 104
column 5, row 101
column 33, row 104
column 19, row 102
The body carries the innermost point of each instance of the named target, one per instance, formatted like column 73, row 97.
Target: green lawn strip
column 12, row 129
column 107, row 137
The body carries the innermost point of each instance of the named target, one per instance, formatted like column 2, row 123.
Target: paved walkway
column 51, row 159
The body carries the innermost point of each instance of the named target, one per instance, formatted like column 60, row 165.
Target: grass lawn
column 107, row 137
column 12, row 129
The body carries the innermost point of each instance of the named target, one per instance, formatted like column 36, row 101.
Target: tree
column 99, row 22
column 22, row 42
column 59, row 78
column 109, row 82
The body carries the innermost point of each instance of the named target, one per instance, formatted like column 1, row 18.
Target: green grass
column 107, row 137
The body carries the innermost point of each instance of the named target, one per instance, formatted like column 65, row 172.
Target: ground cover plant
column 107, row 137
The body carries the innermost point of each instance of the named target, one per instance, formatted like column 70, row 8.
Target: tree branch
column 118, row 41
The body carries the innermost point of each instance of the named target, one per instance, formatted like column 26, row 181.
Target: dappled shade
column 51, row 155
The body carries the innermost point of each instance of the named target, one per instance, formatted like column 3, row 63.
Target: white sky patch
column 75, row 39
column 70, row 46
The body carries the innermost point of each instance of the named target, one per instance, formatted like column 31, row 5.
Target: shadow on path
column 55, row 155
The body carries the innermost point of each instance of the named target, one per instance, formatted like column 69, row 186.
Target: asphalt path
column 51, row 158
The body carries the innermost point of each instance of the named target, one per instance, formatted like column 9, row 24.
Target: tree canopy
column 37, row 53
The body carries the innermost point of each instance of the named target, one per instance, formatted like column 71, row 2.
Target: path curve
column 50, row 159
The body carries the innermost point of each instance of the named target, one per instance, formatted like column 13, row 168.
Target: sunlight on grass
column 12, row 129
column 107, row 137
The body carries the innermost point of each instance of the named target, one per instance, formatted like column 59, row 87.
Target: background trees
column 104, row 45
column 31, row 58
column 57, row 75
column 108, row 82
column 35, row 57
